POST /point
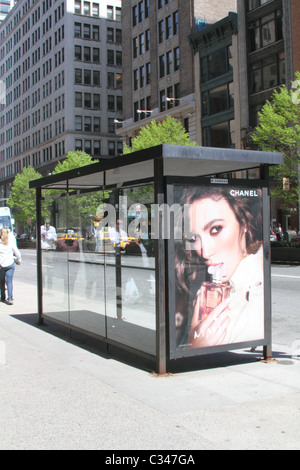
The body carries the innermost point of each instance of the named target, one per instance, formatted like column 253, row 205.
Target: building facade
column 158, row 61
column 61, row 69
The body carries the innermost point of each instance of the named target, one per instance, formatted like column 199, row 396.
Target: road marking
column 285, row 275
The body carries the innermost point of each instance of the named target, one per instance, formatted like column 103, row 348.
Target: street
column 285, row 297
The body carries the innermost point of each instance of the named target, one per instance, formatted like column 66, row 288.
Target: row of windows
column 216, row 64
column 267, row 73
column 253, row 4
column 168, row 64
column 93, row 147
column 92, row 9
column 168, row 27
column 92, row 31
column 168, row 98
column 140, row 12
column 93, row 77
column 87, row 54
column 266, row 30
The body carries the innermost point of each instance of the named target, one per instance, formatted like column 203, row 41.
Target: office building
column 158, row 61
column 61, row 72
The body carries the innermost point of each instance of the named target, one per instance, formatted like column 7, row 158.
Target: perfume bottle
column 211, row 294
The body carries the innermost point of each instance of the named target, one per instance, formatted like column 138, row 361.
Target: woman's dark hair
column 248, row 212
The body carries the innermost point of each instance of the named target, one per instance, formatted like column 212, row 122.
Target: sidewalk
column 62, row 392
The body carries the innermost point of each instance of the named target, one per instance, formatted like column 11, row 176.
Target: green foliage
column 279, row 131
column 73, row 160
column 169, row 131
column 22, row 199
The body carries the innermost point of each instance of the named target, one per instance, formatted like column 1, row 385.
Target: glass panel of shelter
column 92, row 279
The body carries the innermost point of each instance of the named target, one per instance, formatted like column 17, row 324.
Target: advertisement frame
column 176, row 352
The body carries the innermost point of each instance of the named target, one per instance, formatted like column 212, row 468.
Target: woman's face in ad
column 219, row 239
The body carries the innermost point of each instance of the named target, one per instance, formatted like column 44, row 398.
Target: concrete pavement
column 65, row 392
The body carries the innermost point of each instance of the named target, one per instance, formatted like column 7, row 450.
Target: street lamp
column 173, row 99
column 140, row 111
column 116, row 121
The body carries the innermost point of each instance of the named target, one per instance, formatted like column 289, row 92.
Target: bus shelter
column 163, row 252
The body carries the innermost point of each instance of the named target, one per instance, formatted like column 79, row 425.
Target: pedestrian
column 8, row 252
column 48, row 236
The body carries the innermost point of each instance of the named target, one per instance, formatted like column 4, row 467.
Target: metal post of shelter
column 160, row 273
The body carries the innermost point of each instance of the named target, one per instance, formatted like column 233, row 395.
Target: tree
column 22, row 200
column 73, row 160
column 279, row 131
column 169, row 131
column 77, row 210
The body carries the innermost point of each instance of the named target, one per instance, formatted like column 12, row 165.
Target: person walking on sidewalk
column 8, row 253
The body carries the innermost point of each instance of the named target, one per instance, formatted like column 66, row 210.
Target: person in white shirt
column 48, row 236
column 8, row 251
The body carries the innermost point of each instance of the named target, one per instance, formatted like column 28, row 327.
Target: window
column 110, row 35
column 87, row 100
column 96, row 55
column 169, row 62
column 141, row 11
column 161, row 66
column 135, row 80
column 148, row 74
column 87, row 74
column 111, row 148
column 216, row 64
column 78, row 123
column 97, row 148
column 95, row 9
column 77, row 7
column 87, row 124
column 217, row 99
column 110, row 57
column 175, row 23
column 176, row 59
column 87, row 31
column 110, row 80
column 141, row 43
column 168, row 27
column 147, row 34
column 87, row 147
column 161, row 31
column 135, row 47
column 86, row 8
column 110, row 102
column 96, row 124
column 77, row 30
column 134, row 15
column 142, row 76
column 78, row 99
column 78, row 76
column 266, row 30
column 78, row 144
column 110, row 12
column 96, row 77
column 87, row 54
column 96, row 35
column 96, row 101
column 267, row 73
column 77, row 52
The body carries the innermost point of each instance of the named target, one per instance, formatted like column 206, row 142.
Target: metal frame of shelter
column 166, row 166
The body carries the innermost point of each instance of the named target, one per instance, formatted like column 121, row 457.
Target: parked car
column 25, row 236
column 296, row 238
column 273, row 236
